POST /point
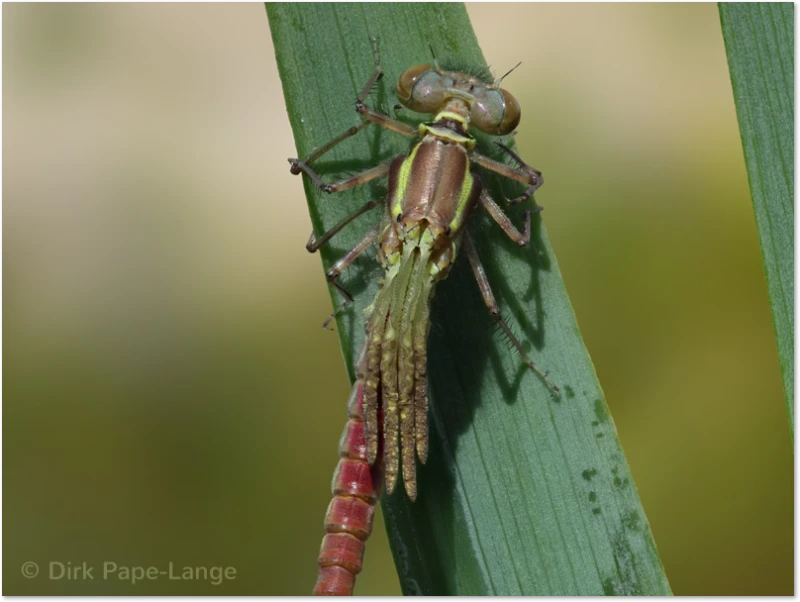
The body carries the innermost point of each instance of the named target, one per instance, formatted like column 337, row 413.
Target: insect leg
column 525, row 173
column 333, row 274
column 373, row 173
column 504, row 221
column 314, row 243
column 377, row 117
column 369, row 116
column 385, row 121
column 494, row 310
column 297, row 165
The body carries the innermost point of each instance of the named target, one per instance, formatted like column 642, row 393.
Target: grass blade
column 523, row 493
column 759, row 39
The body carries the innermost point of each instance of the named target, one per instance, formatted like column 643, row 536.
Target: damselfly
column 432, row 191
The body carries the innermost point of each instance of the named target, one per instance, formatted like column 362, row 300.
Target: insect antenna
column 497, row 82
column 435, row 58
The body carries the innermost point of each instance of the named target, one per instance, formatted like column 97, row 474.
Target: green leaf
column 759, row 39
column 523, row 492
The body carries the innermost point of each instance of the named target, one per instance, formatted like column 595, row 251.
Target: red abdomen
column 348, row 521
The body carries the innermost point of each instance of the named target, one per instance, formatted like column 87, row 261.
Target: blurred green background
column 169, row 393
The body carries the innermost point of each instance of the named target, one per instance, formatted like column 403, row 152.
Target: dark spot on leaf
column 595, row 423
column 600, row 411
column 598, row 436
column 592, row 496
column 621, row 483
column 589, row 473
column 632, row 521
column 595, row 511
column 569, row 391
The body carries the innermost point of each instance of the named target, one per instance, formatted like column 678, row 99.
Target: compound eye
column 495, row 112
column 511, row 116
column 420, row 88
column 407, row 81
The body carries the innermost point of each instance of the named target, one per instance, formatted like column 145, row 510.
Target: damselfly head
column 428, row 89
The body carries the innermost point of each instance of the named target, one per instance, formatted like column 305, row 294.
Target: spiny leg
column 352, row 131
column 373, row 173
column 494, row 310
column 376, row 75
column 535, row 175
column 333, row 274
column 499, row 216
column 365, row 176
column 377, row 117
column 525, row 174
column 370, row 116
column 314, row 243
column 385, row 121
